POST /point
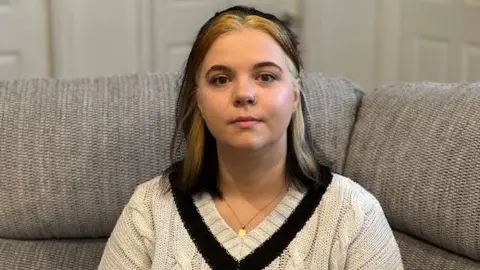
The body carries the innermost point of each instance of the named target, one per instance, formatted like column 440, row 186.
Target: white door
column 175, row 26
column 96, row 38
column 23, row 39
column 176, row 23
column 440, row 40
column 339, row 37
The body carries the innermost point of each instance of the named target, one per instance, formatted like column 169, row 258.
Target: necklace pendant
column 242, row 232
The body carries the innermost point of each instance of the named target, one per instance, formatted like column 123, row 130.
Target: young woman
column 249, row 193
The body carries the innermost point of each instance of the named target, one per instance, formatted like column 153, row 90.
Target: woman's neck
column 252, row 175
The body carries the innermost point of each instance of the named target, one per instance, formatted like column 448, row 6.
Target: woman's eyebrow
column 267, row 64
column 224, row 68
column 218, row 68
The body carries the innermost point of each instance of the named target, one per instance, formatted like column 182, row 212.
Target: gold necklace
column 243, row 229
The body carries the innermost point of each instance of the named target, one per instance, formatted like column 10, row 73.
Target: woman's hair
column 198, row 170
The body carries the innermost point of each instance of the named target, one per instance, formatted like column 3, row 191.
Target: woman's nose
column 245, row 94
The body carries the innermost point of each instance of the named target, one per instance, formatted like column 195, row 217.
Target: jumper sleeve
column 374, row 246
column 131, row 243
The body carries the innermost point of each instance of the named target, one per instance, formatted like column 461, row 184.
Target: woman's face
column 246, row 92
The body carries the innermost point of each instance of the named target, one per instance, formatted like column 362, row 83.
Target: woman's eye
column 220, row 80
column 266, row 78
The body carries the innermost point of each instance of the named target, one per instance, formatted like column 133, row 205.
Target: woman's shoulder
column 154, row 189
column 160, row 182
column 351, row 194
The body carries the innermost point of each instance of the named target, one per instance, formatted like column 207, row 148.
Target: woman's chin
column 245, row 145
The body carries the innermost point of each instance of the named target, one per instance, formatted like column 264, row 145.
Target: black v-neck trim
column 219, row 258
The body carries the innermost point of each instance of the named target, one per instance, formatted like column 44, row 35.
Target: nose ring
column 253, row 99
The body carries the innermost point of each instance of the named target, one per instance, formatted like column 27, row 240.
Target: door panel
column 100, row 38
column 9, row 66
column 23, row 39
column 471, row 62
column 440, row 40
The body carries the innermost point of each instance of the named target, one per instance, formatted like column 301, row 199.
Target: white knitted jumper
column 346, row 229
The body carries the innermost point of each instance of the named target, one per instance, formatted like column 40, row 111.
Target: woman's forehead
column 244, row 47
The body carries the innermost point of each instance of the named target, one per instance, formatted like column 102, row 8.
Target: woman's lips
column 246, row 124
column 246, row 121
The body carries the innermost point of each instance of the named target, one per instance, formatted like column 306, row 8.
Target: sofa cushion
column 416, row 254
column 51, row 254
column 72, row 151
column 416, row 147
column 333, row 105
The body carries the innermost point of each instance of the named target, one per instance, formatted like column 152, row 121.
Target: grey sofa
column 72, row 152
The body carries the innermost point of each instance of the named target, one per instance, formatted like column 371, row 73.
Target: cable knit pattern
column 348, row 230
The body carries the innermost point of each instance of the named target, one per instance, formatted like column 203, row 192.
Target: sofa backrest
column 416, row 147
column 72, row 151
